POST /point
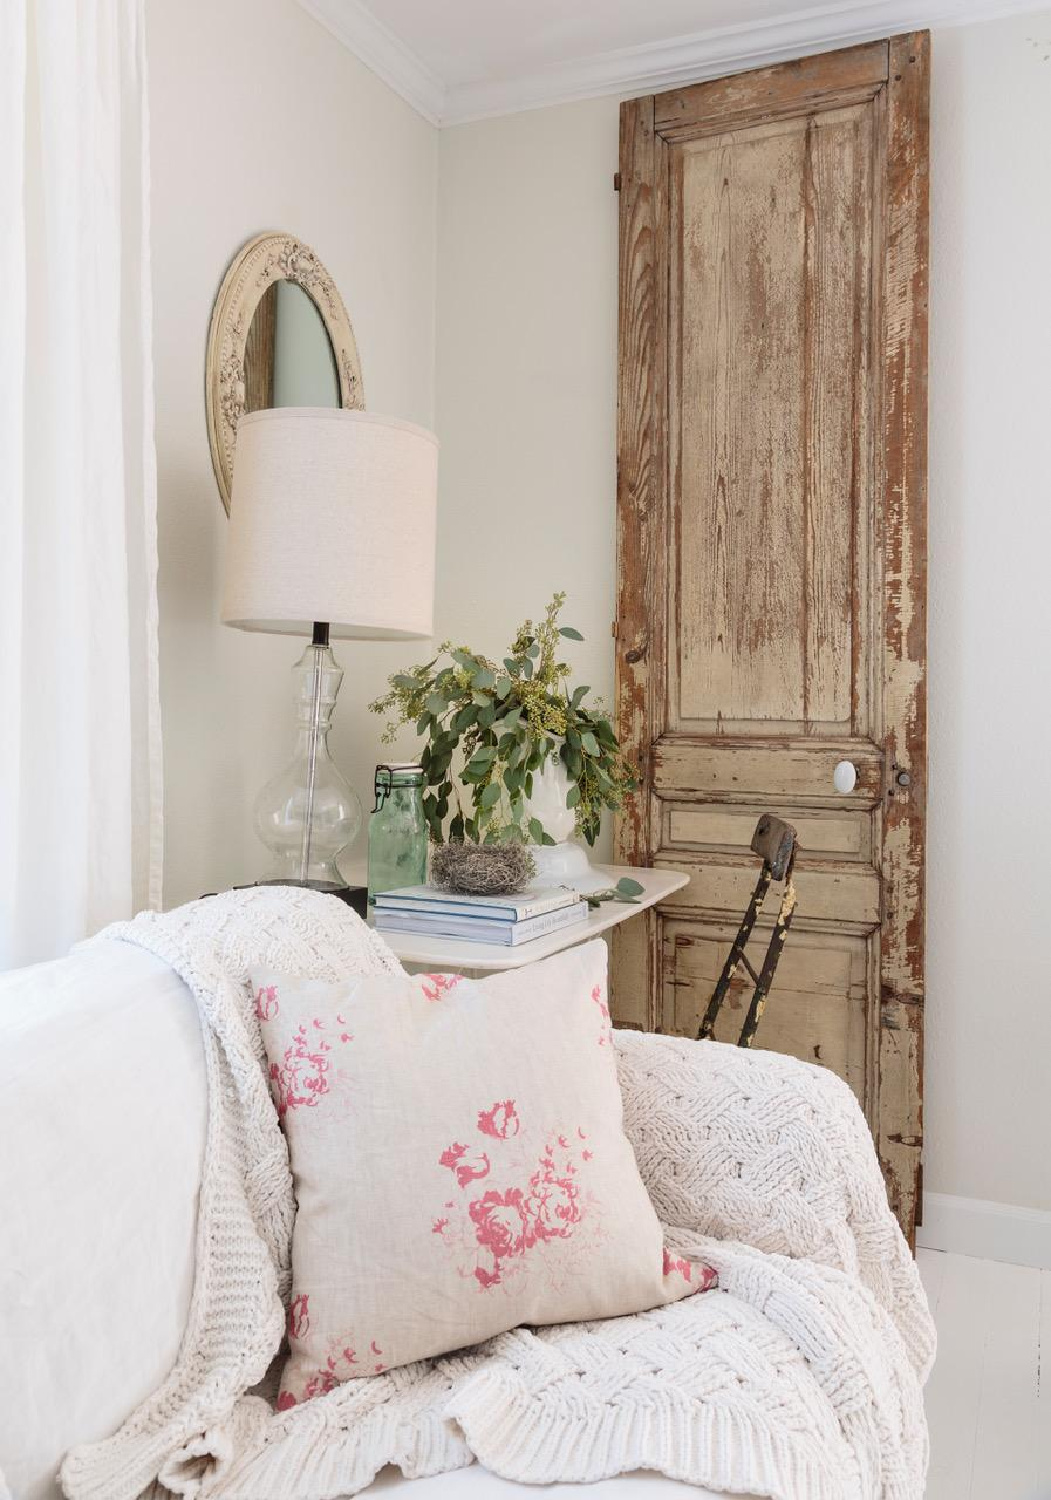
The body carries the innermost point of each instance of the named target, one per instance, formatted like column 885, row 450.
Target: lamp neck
column 320, row 633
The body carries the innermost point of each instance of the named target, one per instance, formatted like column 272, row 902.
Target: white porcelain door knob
column 845, row 776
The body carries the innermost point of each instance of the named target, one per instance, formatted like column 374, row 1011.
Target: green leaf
column 578, row 695
column 456, row 828
column 527, row 669
column 514, row 667
column 569, row 633
column 590, row 743
column 503, row 687
column 573, row 796
column 403, row 680
column 490, row 795
column 536, row 830
column 436, row 703
column 628, row 887
column 464, row 658
column 533, row 651
column 484, row 679
column 512, row 719
column 547, row 839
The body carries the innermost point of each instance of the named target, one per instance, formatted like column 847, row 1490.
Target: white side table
column 420, row 950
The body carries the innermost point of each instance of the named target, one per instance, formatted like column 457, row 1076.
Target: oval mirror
column 279, row 336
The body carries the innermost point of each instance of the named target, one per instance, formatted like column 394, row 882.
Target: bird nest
column 482, row 869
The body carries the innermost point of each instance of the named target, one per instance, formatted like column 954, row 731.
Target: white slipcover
column 102, row 1120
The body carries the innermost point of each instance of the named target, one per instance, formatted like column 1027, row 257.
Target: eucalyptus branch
column 490, row 727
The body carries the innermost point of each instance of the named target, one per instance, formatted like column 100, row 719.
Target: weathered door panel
column 771, row 502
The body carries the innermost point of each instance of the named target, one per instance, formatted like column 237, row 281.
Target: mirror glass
column 289, row 359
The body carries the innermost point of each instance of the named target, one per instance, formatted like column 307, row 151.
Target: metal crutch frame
column 775, row 842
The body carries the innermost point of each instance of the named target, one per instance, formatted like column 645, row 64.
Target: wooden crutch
column 775, row 842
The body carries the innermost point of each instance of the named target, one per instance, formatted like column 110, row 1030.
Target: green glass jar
column 397, row 830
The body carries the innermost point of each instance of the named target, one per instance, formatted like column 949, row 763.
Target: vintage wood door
column 772, row 548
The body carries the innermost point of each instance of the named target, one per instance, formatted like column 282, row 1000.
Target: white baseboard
column 990, row 1231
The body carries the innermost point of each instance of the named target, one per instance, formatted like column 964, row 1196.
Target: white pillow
column 460, row 1164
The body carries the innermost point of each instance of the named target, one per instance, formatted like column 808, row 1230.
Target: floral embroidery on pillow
column 437, row 985
column 542, row 1203
column 606, row 1034
column 302, row 1078
column 704, row 1276
column 266, row 1006
column 299, row 1318
column 341, row 1363
column 466, row 1171
column 500, row 1121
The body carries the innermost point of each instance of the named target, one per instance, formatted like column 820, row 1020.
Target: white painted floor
column 988, row 1402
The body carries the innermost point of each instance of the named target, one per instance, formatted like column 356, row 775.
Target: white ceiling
column 457, row 60
column 472, row 41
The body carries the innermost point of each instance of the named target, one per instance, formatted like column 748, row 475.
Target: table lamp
column 332, row 533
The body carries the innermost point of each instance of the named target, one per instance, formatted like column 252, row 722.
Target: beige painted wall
column 260, row 120
column 526, row 402
column 527, row 350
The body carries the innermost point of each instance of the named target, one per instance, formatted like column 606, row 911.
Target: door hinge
column 616, row 182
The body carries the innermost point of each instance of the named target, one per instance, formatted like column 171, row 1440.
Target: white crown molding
column 385, row 54
column 989, row 1231
column 720, row 50
column 653, row 66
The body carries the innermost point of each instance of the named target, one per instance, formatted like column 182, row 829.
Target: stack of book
column 503, row 920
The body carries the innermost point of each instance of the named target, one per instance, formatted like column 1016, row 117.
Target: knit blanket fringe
column 801, row 1379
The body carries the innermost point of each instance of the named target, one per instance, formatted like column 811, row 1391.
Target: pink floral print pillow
column 460, row 1164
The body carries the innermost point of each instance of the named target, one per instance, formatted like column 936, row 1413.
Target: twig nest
column 482, row 869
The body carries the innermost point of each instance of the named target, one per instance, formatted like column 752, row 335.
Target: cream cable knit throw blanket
column 801, row 1379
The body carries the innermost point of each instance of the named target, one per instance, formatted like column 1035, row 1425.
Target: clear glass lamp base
column 308, row 813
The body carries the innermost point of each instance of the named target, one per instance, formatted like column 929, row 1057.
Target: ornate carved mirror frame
column 262, row 261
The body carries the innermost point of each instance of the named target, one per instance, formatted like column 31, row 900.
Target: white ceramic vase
column 565, row 860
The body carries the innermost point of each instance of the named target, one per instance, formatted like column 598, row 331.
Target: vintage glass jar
column 397, row 830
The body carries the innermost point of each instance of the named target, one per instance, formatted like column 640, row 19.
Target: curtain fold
column 80, row 767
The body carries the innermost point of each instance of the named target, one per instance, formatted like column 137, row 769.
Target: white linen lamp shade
column 332, row 532
column 332, row 517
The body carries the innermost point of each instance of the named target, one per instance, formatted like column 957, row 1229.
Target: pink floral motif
column 704, row 1276
column 466, row 1171
column 320, row 1384
column 554, row 1202
column 299, row 1317
column 606, row 1034
column 501, row 1223
column 266, row 1006
column 439, row 984
column 500, row 1121
column 302, row 1079
column 538, row 1201
column 341, row 1364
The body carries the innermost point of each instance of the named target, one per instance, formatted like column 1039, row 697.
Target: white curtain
column 80, row 749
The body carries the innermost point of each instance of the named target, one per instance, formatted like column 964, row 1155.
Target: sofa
column 103, row 1106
